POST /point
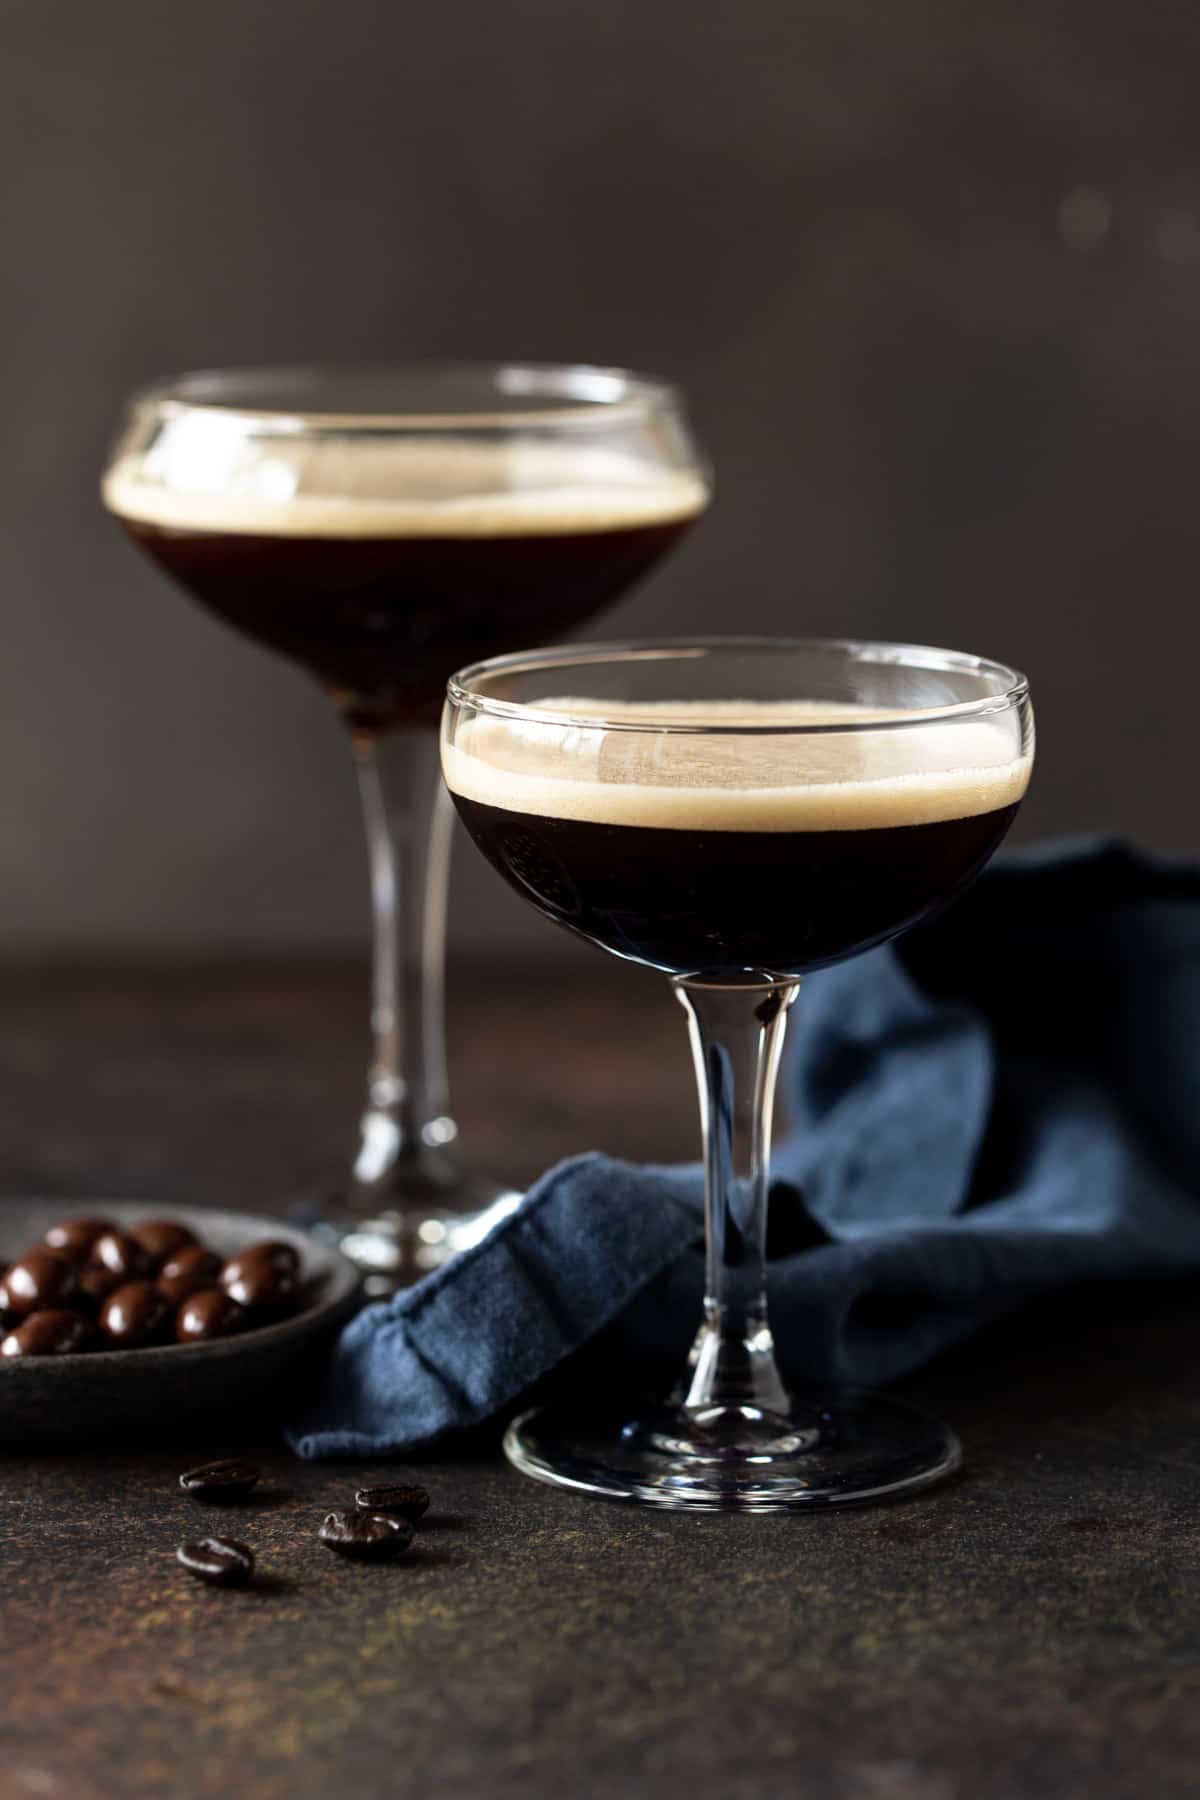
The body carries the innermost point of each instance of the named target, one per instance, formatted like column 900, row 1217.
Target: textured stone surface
column 1029, row 1630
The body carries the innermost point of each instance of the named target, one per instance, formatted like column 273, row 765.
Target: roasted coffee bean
column 367, row 1536
column 39, row 1280
column 263, row 1277
column 75, row 1237
column 225, row 1479
column 50, row 1333
column 134, row 1315
column 187, row 1272
column 212, row 1313
column 117, row 1251
column 96, row 1283
column 162, row 1239
column 406, row 1502
column 222, row 1562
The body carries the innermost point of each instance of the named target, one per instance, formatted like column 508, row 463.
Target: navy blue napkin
column 1003, row 1102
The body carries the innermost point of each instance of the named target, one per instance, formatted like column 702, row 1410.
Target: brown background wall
column 930, row 272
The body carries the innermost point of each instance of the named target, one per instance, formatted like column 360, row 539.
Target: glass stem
column 737, row 1038
column 409, row 818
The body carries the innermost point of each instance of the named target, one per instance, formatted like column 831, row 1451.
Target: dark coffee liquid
column 728, row 904
column 384, row 621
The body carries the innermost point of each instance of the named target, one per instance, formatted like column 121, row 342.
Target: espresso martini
column 737, row 812
column 382, row 566
column 735, row 857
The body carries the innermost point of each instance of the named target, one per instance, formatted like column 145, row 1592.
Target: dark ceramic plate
column 151, row 1395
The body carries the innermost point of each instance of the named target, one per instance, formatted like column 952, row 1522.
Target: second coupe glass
column 381, row 527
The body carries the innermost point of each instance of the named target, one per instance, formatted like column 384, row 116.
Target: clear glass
column 737, row 813
column 379, row 526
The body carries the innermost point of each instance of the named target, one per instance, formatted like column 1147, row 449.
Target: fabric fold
column 1005, row 1102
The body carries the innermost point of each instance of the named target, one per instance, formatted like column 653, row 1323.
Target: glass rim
column 587, row 393
column 460, row 693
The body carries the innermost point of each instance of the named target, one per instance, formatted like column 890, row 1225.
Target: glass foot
column 415, row 1224
column 829, row 1448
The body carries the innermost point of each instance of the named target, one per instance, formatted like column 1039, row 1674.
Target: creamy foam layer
column 841, row 781
column 202, row 475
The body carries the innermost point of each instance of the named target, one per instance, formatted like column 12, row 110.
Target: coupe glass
column 737, row 813
column 380, row 527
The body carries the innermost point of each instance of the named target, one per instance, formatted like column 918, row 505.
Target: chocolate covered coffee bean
column 74, row 1238
column 263, row 1277
column 187, row 1272
column 135, row 1315
column 161, row 1239
column 212, row 1313
column 37, row 1281
column 51, row 1333
column 118, row 1251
